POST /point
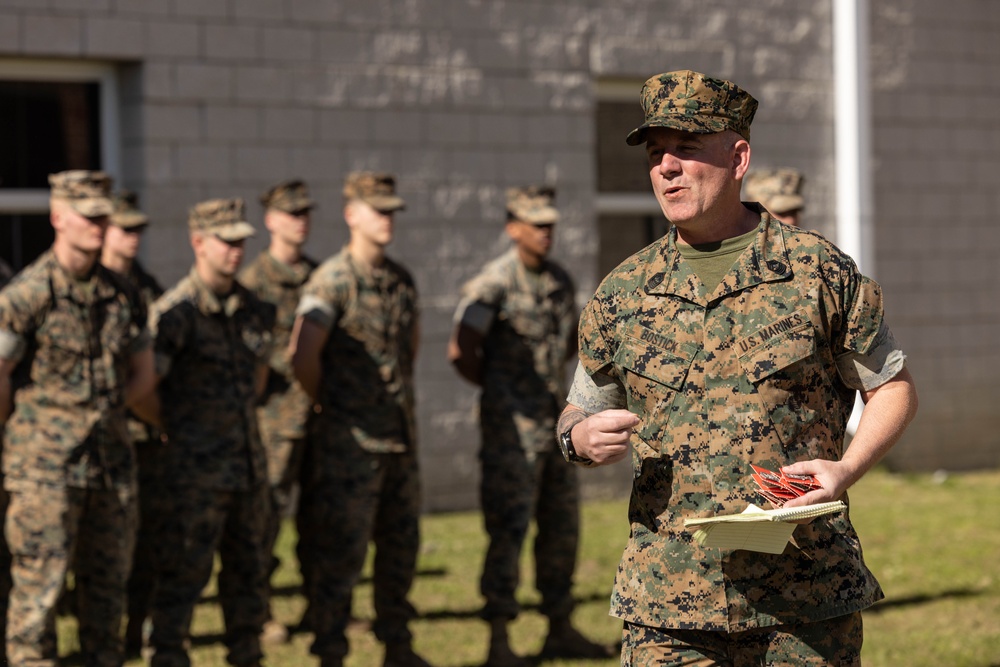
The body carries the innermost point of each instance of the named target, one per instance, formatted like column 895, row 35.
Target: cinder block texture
column 464, row 99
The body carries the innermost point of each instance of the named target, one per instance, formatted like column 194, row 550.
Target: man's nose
column 669, row 164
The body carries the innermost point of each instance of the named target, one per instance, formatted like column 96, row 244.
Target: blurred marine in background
column 779, row 191
column 121, row 255
column 515, row 330
column 74, row 355
column 276, row 276
column 354, row 347
column 212, row 342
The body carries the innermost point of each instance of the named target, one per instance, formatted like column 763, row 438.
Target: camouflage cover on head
column 533, row 204
column 377, row 189
column 778, row 190
column 692, row 102
column 127, row 214
column 288, row 196
column 225, row 218
column 87, row 192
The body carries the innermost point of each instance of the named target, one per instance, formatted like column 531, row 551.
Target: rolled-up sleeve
column 868, row 355
column 17, row 314
column 11, row 345
column 169, row 331
column 595, row 393
column 882, row 362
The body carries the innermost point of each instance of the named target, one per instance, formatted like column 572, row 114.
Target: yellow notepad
column 755, row 529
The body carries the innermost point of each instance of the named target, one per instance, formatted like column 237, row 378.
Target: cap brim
column 296, row 206
column 386, row 204
column 95, row 207
column 235, row 231
column 695, row 124
column 546, row 215
column 784, row 203
column 129, row 220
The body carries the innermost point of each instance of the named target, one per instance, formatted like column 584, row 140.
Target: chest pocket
column 63, row 360
column 654, row 379
column 790, row 379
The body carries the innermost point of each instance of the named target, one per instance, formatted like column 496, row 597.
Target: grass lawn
column 933, row 543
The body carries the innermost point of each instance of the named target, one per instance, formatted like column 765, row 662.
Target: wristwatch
column 567, row 448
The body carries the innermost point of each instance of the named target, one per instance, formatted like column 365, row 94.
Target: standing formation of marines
column 146, row 432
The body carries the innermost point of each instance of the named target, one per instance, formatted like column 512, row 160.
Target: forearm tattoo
column 568, row 419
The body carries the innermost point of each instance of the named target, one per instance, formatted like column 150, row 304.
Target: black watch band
column 567, row 448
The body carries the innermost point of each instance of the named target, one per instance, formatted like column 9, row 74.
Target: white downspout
column 852, row 127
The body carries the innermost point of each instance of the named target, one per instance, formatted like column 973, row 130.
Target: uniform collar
column 137, row 274
column 364, row 272
column 285, row 274
column 66, row 285
column 764, row 260
column 210, row 303
column 544, row 279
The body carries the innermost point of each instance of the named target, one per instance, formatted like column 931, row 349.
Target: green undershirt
column 712, row 261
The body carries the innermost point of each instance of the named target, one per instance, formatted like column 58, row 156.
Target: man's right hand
column 603, row 437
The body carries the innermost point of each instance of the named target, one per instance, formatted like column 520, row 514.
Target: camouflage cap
column 692, row 102
column 225, row 218
column 778, row 190
column 127, row 214
column 378, row 189
column 87, row 192
column 533, row 204
column 288, row 196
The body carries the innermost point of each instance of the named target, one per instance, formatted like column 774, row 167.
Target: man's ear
column 741, row 158
column 349, row 214
column 513, row 230
column 56, row 215
column 196, row 242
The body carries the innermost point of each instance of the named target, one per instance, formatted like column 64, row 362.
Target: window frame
column 622, row 203
column 36, row 200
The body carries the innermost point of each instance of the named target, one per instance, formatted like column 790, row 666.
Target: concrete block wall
column 937, row 188
column 460, row 98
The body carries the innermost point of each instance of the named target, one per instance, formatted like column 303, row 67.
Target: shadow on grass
column 296, row 589
column 913, row 600
column 451, row 614
column 74, row 659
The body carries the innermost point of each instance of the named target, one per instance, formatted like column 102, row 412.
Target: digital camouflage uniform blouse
column 367, row 374
column 74, row 340
column 531, row 322
column 207, row 352
column 762, row 370
column 285, row 404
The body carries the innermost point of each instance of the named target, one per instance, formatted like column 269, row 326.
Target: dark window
column 620, row 167
column 622, row 170
column 23, row 237
column 49, row 126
